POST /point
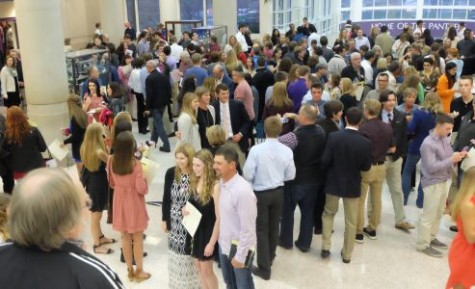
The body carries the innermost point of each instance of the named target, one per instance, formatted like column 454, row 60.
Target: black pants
column 319, row 207
column 141, row 119
column 7, row 177
column 269, row 211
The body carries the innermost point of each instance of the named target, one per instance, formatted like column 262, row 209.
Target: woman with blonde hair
column 462, row 249
column 23, row 142
column 293, row 73
column 187, row 123
column 423, row 120
column 216, row 137
column 348, row 97
column 205, row 197
column 130, row 214
column 176, row 193
column 77, row 128
column 94, row 179
column 232, row 41
column 280, row 103
column 211, row 83
column 231, row 61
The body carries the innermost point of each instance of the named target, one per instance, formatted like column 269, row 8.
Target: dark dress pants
column 141, row 119
column 269, row 211
column 303, row 195
column 319, row 207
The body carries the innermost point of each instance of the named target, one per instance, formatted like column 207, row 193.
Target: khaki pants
column 350, row 206
column 435, row 197
column 393, row 179
column 372, row 180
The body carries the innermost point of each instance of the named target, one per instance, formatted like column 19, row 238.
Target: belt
column 378, row 163
column 269, row 190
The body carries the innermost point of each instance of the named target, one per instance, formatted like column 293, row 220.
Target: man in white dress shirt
column 176, row 49
column 240, row 37
column 361, row 40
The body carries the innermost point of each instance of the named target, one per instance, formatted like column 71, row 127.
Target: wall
column 7, row 9
column 79, row 18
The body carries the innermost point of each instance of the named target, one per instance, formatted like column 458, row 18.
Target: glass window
column 471, row 14
column 346, row 3
column 191, row 14
column 446, row 2
column 460, row 14
column 471, row 2
column 394, row 2
column 410, row 2
column 248, row 12
column 445, row 13
column 431, row 2
column 368, row 3
column 394, row 14
column 149, row 14
column 279, row 6
column 345, row 15
column 380, row 2
column 430, row 13
column 209, row 12
column 460, row 3
column 379, row 14
column 367, row 15
column 409, row 14
column 131, row 12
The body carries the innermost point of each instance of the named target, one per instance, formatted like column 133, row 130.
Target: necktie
column 390, row 118
column 226, row 120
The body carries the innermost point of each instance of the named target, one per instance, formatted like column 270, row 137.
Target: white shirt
column 176, row 50
column 225, row 121
column 311, row 37
column 368, row 71
column 242, row 40
column 460, row 33
column 98, row 32
column 134, row 81
column 419, row 30
column 362, row 41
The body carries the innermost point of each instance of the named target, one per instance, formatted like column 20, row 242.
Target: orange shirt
column 445, row 93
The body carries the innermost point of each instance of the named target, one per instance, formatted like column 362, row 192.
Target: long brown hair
column 122, row 116
column 189, row 152
column 92, row 146
column 465, row 193
column 76, row 111
column 280, row 98
column 208, row 177
column 4, row 202
column 123, row 159
column 17, row 126
column 187, row 105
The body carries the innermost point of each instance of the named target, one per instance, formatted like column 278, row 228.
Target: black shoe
column 258, row 272
column 325, row 254
column 144, row 131
column 164, row 149
column 172, row 134
column 281, row 244
column 454, row 229
column 317, row 231
column 302, row 249
column 346, row 261
column 359, row 238
column 370, row 234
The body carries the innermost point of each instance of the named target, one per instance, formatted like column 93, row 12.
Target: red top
column 461, row 259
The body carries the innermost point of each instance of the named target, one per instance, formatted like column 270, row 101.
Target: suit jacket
column 240, row 122
column 158, row 90
column 399, row 125
column 346, row 155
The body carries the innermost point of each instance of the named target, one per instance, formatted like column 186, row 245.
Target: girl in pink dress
column 92, row 103
column 129, row 213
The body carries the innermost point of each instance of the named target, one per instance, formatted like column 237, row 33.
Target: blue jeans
column 235, row 278
column 158, row 128
column 409, row 167
column 305, row 196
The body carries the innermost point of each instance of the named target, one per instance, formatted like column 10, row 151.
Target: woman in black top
column 205, row 114
column 77, row 128
column 23, row 144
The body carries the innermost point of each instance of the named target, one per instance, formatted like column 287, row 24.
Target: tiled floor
column 391, row 261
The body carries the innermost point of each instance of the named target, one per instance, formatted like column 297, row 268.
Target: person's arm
column 149, row 91
column 327, row 157
column 247, row 214
column 443, row 88
column 166, row 201
column 467, row 213
column 40, row 141
column 74, row 138
column 290, row 170
column 140, row 181
column 215, row 235
column 110, row 176
column 245, row 121
column 289, row 140
column 250, row 167
column 429, row 160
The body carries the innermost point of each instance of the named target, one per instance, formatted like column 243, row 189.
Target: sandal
column 140, row 276
column 95, row 247
column 109, row 241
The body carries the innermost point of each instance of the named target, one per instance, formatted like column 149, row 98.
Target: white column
column 356, row 10
column 265, row 17
column 225, row 13
column 112, row 19
column 44, row 69
column 419, row 9
column 170, row 10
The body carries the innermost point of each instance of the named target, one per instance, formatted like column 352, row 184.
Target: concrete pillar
column 112, row 19
column 170, row 10
column 229, row 17
column 356, row 10
column 44, row 69
column 265, row 17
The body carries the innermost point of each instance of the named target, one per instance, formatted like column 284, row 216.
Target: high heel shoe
column 130, row 274
column 140, row 276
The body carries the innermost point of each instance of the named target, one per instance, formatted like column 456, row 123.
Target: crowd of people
column 262, row 126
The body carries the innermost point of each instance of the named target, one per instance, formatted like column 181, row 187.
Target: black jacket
column 351, row 73
column 167, row 196
column 76, row 138
column 240, row 122
column 159, row 90
column 328, row 126
column 347, row 154
column 399, row 125
column 262, row 80
column 308, row 153
column 27, row 156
